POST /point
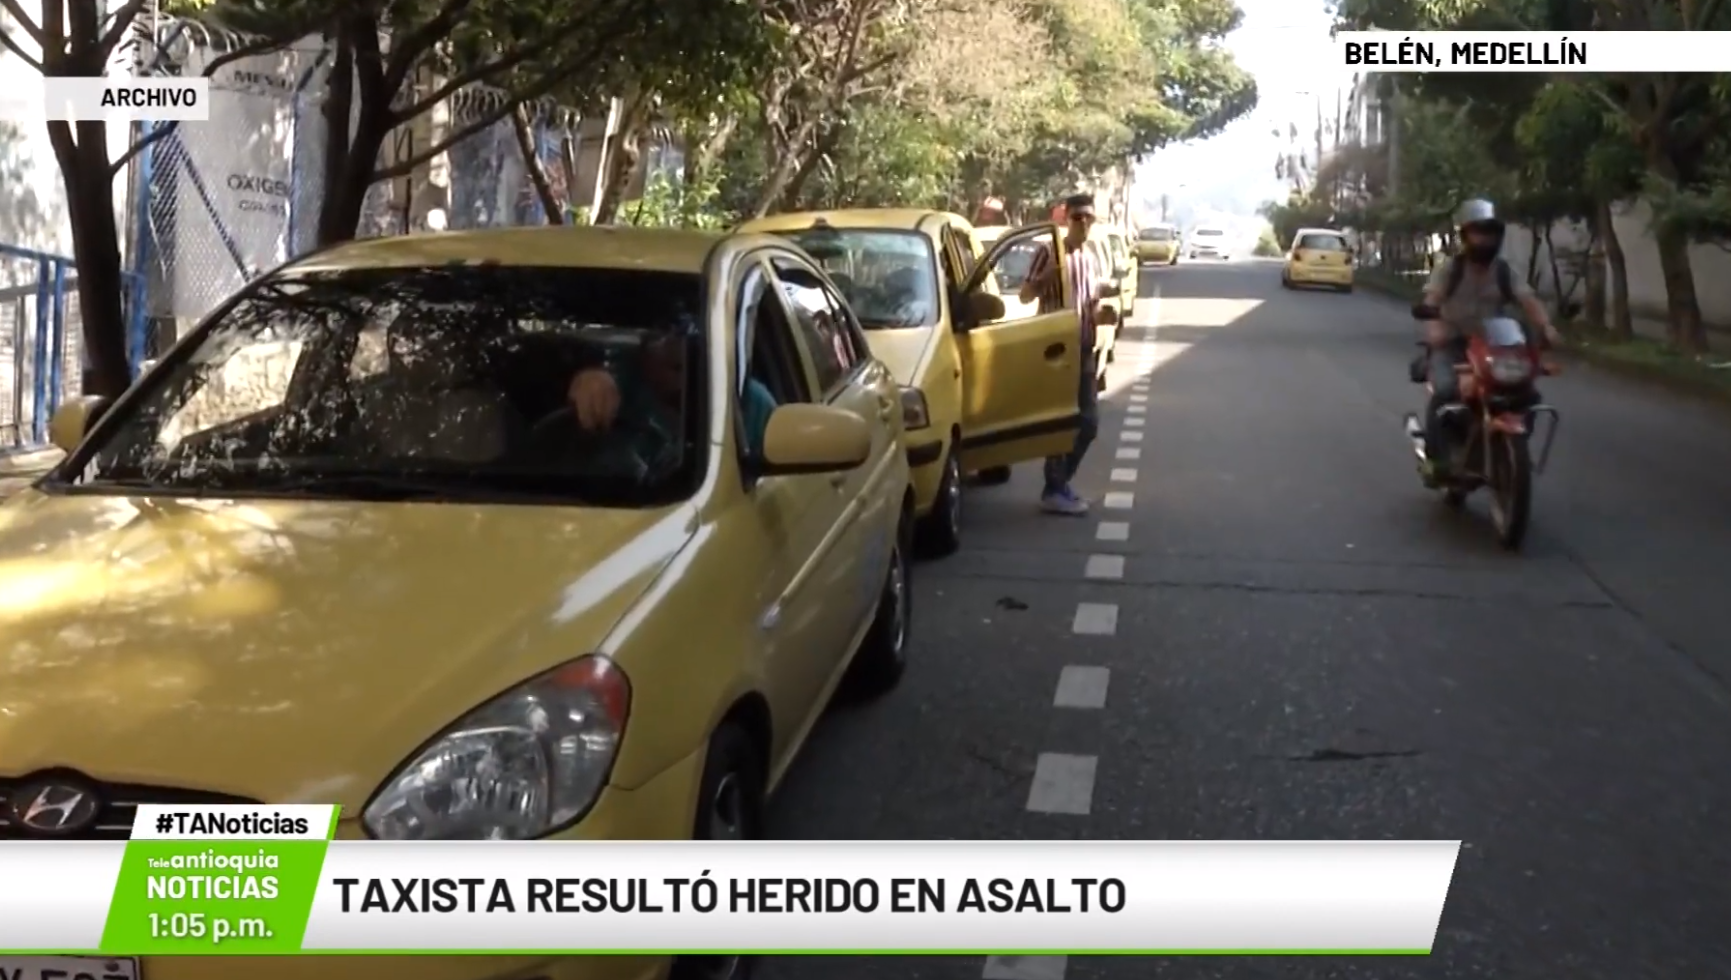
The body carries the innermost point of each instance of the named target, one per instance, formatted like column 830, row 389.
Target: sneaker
column 1063, row 502
column 1435, row 473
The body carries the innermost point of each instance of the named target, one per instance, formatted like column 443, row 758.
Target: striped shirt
column 1083, row 272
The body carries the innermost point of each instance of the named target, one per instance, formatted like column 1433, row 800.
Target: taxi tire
column 883, row 655
column 940, row 533
column 732, row 754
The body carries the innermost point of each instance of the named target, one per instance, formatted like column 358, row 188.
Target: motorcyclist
column 1465, row 289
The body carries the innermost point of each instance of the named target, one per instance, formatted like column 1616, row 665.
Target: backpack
column 1505, row 279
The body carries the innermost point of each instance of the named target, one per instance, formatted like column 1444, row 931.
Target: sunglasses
column 1087, row 216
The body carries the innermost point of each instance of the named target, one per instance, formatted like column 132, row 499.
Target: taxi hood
column 903, row 350
column 291, row 650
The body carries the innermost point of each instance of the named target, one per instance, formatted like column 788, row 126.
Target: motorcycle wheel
column 1511, row 487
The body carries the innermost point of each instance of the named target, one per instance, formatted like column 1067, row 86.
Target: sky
column 1285, row 44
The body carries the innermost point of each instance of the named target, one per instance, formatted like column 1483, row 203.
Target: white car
column 1210, row 243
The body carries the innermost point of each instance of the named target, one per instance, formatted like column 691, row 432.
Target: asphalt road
column 1308, row 645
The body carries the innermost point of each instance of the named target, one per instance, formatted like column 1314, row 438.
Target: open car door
column 1022, row 370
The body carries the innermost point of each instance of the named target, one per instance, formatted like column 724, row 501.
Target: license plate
column 66, row 968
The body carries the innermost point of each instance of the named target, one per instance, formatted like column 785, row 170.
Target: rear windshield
column 1209, row 233
column 1322, row 243
column 1155, row 234
column 441, row 383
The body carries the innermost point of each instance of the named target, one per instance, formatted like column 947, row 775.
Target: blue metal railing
column 39, row 320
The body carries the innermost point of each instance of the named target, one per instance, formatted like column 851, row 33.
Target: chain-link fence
column 221, row 202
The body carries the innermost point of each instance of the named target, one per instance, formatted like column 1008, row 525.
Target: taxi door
column 862, row 505
column 1021, row 373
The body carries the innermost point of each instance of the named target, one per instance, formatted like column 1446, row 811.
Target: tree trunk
column 622, row 162
column 826, row 144
column 96, row 250
column 1617, row 275
column 532, row 165
column 1683, row 308
column 787, row 160
column 701, row 154
column 1562, row 298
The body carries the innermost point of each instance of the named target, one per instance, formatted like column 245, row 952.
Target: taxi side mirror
column 981, row 307
column 803, row 439
column 73, row 420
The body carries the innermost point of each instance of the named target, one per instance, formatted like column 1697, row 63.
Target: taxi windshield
column 1323, row 242
column 889, row 277
column 421, row 383
column 1155, row 234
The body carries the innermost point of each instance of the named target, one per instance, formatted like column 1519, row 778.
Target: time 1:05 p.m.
column 197, row 925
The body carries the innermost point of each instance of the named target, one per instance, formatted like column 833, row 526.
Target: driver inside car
column 647, row 397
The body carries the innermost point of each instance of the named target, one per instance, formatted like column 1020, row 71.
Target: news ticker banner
column 1534, row 51
column 230, row 880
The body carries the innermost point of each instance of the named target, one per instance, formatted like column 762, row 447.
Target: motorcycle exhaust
column 1415, row 432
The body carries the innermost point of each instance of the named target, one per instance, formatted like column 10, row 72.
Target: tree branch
column 406, row 50
column 258, row 47
column 31, row 28
column 12, row 46
column 479, row 73
column 116, row 32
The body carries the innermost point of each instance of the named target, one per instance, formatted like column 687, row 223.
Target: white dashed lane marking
column 1104, row 567
column 1123, row 476
column 1025, row 968
column 1136, row 409
column 1130, row 436
column 1063, row 784
column 1136, row 399
column 1082, row 687
column 1119, row 500
column 1095, row 619
column 1135, row 422
column 1129, row 452
column 1112, row 531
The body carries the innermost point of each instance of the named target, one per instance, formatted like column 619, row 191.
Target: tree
column 75, row 38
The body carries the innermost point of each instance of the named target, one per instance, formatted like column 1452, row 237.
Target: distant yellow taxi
column 987, row 380
column 1318, row 257
column 491, row 535
column 1158, row 245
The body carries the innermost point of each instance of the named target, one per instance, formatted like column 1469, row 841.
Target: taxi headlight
column 915, row 414
column 529, row 762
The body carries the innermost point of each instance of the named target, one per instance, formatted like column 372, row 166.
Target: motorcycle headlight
column 1511, row 369
column 915, row 415
column 526, row 763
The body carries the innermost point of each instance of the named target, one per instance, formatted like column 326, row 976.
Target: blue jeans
column 1060, row 470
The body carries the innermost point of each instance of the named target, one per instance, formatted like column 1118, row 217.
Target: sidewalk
column 20, row 470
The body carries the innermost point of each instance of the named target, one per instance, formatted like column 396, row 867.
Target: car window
column 821, row 323
column 888, row 276
column 1209, row 233
column 1322, row 242
column 454, row 376
column 1155, row 234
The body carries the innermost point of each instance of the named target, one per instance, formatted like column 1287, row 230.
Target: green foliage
column 1299, row 211
column 1266, row 245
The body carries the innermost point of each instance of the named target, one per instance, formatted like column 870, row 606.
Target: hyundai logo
column 54, row 809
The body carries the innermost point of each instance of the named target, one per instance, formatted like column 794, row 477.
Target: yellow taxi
column 510, row 534
column 987, row 380
column 1158, row 245
column 1318, row 257
column 1124, row 269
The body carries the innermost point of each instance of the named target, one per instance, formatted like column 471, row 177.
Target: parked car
column 1318, row 257
column 986, row 380
column 1125, row 269
column 351, row 542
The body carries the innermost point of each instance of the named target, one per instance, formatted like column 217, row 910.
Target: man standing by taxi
column 1088, row 286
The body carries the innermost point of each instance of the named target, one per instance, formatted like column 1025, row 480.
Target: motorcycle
column 1488, row 433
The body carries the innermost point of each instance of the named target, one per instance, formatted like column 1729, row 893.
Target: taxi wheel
column 940, row 533
column 883, row 657
column 730, row 807
column 1346, row 288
